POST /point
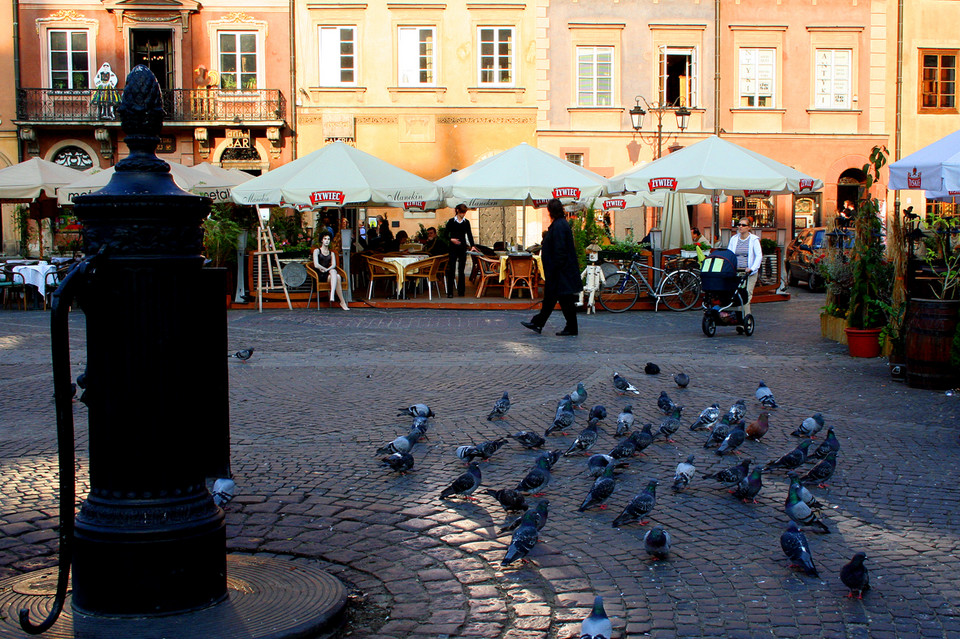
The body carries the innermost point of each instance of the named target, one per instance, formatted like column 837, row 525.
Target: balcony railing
column 180, row 105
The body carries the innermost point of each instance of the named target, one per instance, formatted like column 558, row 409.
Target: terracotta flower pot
column 863, row 342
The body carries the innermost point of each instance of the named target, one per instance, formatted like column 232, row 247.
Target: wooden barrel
column 930, row 326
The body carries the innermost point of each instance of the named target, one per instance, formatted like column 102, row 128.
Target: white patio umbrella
column 675, row 222
column 935, row 167
column 635, row 200
column 188, row 178
column 27, row 180
column 339, row 175
column 231, row 176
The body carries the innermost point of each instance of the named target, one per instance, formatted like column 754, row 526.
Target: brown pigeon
column 758, row 428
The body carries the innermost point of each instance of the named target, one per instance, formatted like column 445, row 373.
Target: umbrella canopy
column 339, row 175
column 188, row 178
column 233, row 177
column 935, row 167
column 675, row 222
column 521, row 175
column 715, row 164
column 634, row 200
column 27, row 180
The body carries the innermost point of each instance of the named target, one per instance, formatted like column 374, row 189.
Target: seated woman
column 400, row 239
column 325, row 263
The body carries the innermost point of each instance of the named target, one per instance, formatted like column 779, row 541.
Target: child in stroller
column 724, row 293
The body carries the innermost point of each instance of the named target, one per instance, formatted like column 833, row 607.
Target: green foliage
column 586, row 231
column 867, row 255
column 834, row 310
column 220, row 235
column 768, row 246
column 893, row 329
column 944, row 262
column 21, row 226
column 288, row 232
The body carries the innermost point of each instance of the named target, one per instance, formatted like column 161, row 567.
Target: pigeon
column 665, row 404
column 830, row 442
column 622, row 386
column 765, row 396
column 541, row 509
column 402, row 444
column 809, row 427
column 670, row 424
column 598, row 463
column 719, row 432
column 747, row 488
column 651, row 369
column 243, row 355
column 681, row 379
column 597, row 625
column 524, row 538
column 549, row 456
column 656, row 542
column 529, row 439
column 758, row 427
column 585, row 440
column 398, row 462
column 511, row 500
column 643, row 437
column 794, row 458
column 795, row 547
column 421, row 424
column 468, row 453
column 642, row 504
column 737, row 411
column 500, row 408
column 805, row 495
column 538, row 478
column 707, row 418
column 465, row 484
column 600, row 491
column 625, row 448
column 685, row 472
column 854, row 576
column 488, row 448
column 579, row 396
column 223, row 491
column 799, row 511
column 625, row 420
column 822, row 471
column 417, row 409
column 732, row 475
column 564, row 417
column 732, row 441
column 598, row 413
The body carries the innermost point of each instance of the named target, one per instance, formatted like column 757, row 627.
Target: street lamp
column 659, row 109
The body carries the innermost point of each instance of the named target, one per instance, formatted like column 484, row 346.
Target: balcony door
column 153, row 48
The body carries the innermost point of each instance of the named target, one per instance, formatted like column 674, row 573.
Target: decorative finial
column 141, row 118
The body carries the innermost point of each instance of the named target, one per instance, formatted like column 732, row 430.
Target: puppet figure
column 105, row 95
column 593, row 278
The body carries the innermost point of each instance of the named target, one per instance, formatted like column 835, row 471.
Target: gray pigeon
column 597, row 625
column 402, row 444
column 719, row 432
column 465, row 484
column 670, row 424
column 684, row 474
column 243, row 356
column 598, row 463
column 529, row 439
column 822, row 471
column 737, row 411
column 642, row 504
column 488, row 448
column 511, row 500
column 421, row 424
column 681, row 379
column 830, row 442
column 537, row 479
column 665, row 404
column 651, row 369
column 801, row 512
column 579, row 396
column 805, row 495
column 732, row 441
column 398, row 462
column 598, row 413
column 551, row 457
column 795, row 547
column 223, row 491
column 600, row 491
column 749, row 487
column 564, row 417
column 622, row 386
column 732, row 475
column 524, row 538
column 421, row 410
column 625, row 448
column 656, row 542
column 500, row 408
column 707, row 418
column 585, row 440
column 643, row 437
column 794, row 458
column 855, row 576
column 625, row 421
column 542, row 509
column 809, row 427
column 765, row 396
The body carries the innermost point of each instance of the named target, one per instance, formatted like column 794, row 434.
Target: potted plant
column 835, row 270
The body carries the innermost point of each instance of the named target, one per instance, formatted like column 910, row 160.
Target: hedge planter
column 832, row 328
column 863, row 342
column 930, row 326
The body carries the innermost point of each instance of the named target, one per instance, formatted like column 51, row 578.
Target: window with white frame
column 69, row 59
column 594, row 76
column 832, row 78
column 338, row 56
column 757, row 76
column 416, row 56
column 678, row 76
column 495, row 56
column 239, row 64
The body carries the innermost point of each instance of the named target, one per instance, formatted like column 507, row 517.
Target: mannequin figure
column 105, row 94
column 325, row 263
column 593, row 278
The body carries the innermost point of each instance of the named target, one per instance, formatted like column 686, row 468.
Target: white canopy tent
column 188, row 178
column 27, row 180
column 934, row 168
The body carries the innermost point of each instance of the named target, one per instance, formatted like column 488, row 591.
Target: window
column 496, row 56
column 678, row 76
column 69, row 59
column 938, row 80
column 594, row 76
column 757, row 71
column 238, row 60
column 338, row 56
column 416, row 56
column 832, row 79
column 575, row 158
column 73, row 157
column 759, row 209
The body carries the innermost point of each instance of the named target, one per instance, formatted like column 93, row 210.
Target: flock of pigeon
column 725, row 433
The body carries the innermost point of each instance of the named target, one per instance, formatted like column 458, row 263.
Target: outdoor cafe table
column 36, row 275
column 504, row 258
column 401, row 262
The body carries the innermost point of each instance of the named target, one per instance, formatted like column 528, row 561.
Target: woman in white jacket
column 746, row 246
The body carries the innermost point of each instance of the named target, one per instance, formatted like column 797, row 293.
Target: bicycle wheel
column 680, row 290
column 621, row 296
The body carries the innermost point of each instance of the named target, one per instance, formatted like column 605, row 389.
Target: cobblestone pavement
column 320, row 396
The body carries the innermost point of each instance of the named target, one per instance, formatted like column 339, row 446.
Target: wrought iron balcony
column 181, row 105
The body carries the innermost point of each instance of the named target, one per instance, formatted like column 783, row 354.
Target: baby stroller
column 724, row 293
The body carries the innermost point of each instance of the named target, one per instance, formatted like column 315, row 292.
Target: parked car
column 805, row 252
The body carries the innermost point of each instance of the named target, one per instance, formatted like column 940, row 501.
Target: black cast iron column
column 149, row 539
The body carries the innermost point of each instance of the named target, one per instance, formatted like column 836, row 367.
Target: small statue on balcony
column 592, row 277
column 106, row 96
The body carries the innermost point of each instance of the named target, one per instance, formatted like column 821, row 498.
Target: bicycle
column 678, row 289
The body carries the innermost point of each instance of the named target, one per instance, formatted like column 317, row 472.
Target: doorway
column 153, row 48
column 849, row 185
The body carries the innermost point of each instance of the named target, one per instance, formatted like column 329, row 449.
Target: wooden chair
column 426, row 271
column 522, row 272
column 12, row 284
column 321, row 285
column 377, row 269
column 489, row 274
column 52, row 281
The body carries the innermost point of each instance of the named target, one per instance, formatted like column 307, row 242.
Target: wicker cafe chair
column 489, row 274
column 377, row 269
column 12, row 284
column 319, row 284
column 428, row 271
column 521, row 271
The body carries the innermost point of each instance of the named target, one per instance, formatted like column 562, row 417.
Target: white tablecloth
column 402, row 262
column 35, row 275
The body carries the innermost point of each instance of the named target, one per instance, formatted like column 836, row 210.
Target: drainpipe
column 293, row 80
column 16, row 69
column 899, row 106
column 716, row 108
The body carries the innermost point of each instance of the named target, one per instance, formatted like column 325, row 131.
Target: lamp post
column 659, row 109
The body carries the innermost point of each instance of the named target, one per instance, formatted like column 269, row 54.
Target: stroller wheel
column 748, row 325
column 708, row 325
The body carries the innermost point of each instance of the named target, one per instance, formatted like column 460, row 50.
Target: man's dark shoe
column 566, row 333
column 533, row 327
column 449, row 295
